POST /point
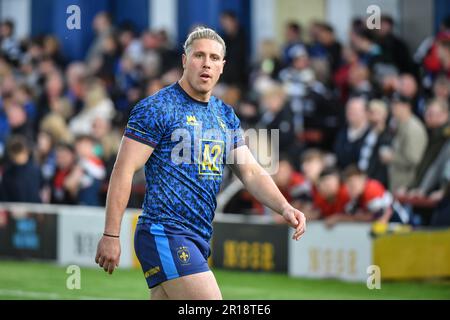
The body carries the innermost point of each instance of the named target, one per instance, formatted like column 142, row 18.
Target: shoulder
column 373, row 189
column 159, row 98
column 161, row 102
column 416, row 124
column 225, row 109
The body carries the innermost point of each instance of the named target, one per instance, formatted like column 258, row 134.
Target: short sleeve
column 237, row 137
column 146, row 124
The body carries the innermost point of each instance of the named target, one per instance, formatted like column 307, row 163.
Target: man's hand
column 296, row 220
column 108, row 253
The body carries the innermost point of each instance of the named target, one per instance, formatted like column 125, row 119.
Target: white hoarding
column 79, row 230
column 342, row 252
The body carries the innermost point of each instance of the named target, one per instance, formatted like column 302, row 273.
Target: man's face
column 329, row 186
column 377, row 116
column 312, row 168
column 435, row 116
column 355, row 112
column 408, row 86
column 355, row 185
column 64, row 158
column 203, row 65
column 283, row 176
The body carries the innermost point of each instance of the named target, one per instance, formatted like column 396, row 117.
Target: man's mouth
column 205, row 76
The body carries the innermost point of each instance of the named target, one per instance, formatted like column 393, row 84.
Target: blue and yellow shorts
column 167, row 252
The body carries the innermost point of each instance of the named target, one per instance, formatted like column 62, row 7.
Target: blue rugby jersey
column 191, row 140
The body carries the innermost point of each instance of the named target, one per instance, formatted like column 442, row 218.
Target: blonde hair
column 378, row 105
column 203, row 33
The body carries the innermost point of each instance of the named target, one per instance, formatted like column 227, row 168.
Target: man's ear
column 183, row 60
column 223, row 65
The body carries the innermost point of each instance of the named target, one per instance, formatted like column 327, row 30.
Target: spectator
column 444, row 55
column 276, row 114
column 108, row 141
column 268, row 64
column 21, row 181
column 329, row 197
column 441, row 88
column 332, row 47
column 350, row 139
column 438, row 127
column 169, row 54
column 407, row 87
column 341, row 77
column 56, row 126
column 369, row 200
column 8, row 45
column 378, row 138
column 315, row 49
column 293, row 37
column 130, row 46
column 107, row 62
column 18, row 122
column 85, row 180
column 96, row 104
column 359, row 82
column 441, row 215
column 312, row 165
column 103, row 29
column 363, row 40
column 53, row 100
column 51, row 48
column 236, row 55
column 433, row 184
column 313, row 107
column 248, row 113
column 151, row 60
column 427, row 53
column 65, row 162
column 45, row 156
column 23, row 95
column 76, row 74
column 408, row 145
column 393, row 47
column 287, row 179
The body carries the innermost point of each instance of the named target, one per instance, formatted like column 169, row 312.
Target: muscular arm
column 132, row 155
column 261, row 185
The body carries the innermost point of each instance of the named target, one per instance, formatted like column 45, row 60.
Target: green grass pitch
column 37, row 280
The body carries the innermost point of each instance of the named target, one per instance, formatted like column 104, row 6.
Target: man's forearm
column 263, row 188
column 117, row 199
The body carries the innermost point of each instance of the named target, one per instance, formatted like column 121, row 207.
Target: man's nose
column 207, row 63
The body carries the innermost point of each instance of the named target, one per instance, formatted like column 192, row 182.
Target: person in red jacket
column 329, row 195
column 370, row 201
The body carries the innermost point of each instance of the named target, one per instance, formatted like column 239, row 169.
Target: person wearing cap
column 408, row 145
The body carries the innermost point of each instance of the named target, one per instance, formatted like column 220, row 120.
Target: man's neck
column 191, row 92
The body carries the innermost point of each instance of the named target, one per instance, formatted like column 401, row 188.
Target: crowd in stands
column 364, row 128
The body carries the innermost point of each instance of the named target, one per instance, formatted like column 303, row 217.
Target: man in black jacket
column 21, row 180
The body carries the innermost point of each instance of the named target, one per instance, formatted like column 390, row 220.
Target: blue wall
column 49, row 16
column 207, row 13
